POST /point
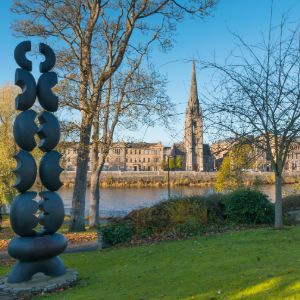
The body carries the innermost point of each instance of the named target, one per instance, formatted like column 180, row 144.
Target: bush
column 290, row 206
column 181, row 210
column 117, row 232
column 215, row 208
column 246, row 206
column 167, row 214
column 149, row 220
column 290, row 203
column 190, row 227
column 182, row 216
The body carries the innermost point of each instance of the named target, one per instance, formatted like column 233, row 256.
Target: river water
column 120, row 201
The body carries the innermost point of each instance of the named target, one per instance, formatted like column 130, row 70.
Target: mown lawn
column 252, row 264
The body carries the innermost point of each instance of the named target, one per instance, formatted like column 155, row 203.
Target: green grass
column 251, row 264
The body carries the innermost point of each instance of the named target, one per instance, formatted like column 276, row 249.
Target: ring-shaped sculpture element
column 38, row 247
column 49, row 131
column 20, row 55
column 53, row 212
column 25, row 129
column 47, row 99
column 25, row 171
column 22, row 214
column 26, row 82
column 50, row 170
column 50, row 58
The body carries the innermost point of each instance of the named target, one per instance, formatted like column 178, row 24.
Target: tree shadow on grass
column 274, row 288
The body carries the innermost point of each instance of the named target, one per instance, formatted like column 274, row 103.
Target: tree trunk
column 278, row 201
column 94, row 194
column 94, row 200
column 77, row 222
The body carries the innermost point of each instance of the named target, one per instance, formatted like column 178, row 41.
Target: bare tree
column 134, row 97
column 94, row 36
column 257, row 97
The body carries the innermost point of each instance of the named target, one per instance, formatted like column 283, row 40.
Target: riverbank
column 176, row 178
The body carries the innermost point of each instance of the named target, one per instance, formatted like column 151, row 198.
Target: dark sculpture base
column 23, row 271
column 39, row 284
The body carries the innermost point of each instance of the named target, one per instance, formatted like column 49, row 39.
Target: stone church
column 193, row 132
column 192, row 153
column 196, row 155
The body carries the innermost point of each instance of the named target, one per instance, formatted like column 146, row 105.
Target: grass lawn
column 251, row 264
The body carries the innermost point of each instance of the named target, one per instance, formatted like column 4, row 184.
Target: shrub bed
column 291, row 208
column 189, row 216
column 290, row 203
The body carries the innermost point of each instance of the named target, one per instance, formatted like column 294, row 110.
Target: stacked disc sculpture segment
column 36, row 251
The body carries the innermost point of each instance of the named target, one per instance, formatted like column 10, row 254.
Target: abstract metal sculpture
column 36, row 250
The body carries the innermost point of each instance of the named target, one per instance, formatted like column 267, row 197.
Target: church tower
column 193, row 134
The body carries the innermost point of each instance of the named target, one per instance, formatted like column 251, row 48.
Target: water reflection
column 120, row 201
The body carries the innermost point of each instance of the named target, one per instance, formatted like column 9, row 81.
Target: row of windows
column 292, row 166
column 136, row 151
column 293, row 156
column 118, row 159
column 143, row 168
column 144, row 159
column 139, row 151
column 156, row 160
column 117, row 151
column 295, row 147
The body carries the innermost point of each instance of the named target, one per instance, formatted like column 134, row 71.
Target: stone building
column 293, row 158
column 122, row 157
column 261, row 159
column 292, row 164
column 135, row 157
column 194, row 155
column 69, row 155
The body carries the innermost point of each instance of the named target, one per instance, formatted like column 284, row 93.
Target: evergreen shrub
column 246, row 206
column 117, row 232
column 290, row 203
column 190, row 227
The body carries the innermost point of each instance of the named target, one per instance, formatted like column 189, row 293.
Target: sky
column 195, row 38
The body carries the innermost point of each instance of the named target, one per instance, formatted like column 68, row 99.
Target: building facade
column 122, row 157
column 192, row 154
column 261, row 159
column 292, row 164
column 135, row 157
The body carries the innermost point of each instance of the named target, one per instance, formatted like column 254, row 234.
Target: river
column 120, row 201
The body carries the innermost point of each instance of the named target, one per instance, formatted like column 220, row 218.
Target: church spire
column 193, row 135
column 193, row 104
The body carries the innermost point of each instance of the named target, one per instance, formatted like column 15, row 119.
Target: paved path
column 82, row 247
column 5, row 296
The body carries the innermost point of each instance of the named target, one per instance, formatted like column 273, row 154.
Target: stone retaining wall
column 184, row 178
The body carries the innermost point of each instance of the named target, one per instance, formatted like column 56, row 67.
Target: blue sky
column 201, row 39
